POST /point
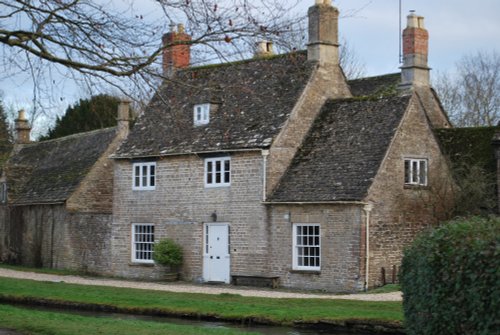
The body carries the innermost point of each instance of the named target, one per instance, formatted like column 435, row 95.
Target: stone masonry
column 399, row 211
column 180, row 205
column 341, row 246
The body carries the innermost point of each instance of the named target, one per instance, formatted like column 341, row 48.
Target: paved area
column 193, row 288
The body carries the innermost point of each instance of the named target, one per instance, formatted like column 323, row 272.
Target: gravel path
column 193, row 288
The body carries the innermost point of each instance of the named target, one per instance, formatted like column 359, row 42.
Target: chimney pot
column 415, row 70
column 264, row 49
column 123, row 119
column 23, row 128
column 177, row 50
column 323, row 33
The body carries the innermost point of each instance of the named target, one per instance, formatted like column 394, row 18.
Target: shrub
column 168, row 252
column 450, row 278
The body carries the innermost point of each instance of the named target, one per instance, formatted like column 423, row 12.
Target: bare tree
column 472, row 96
column 353, row 67
column 114, row 45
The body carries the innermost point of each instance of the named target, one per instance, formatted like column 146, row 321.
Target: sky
column 456, row 28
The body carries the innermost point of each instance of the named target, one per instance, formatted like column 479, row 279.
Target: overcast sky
column 456, row 28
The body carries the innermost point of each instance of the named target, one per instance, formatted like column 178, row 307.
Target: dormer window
column 201, row 114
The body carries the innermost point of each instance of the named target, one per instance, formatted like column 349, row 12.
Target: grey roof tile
column 343, row 150
column 253, row 98
column 375, row 86
column 49, row 171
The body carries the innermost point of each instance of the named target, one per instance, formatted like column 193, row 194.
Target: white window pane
column 423, row 172
column 143, row 242
column 307, row 247
column 217, row 172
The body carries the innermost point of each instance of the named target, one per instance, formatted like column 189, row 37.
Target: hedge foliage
column 450, row 278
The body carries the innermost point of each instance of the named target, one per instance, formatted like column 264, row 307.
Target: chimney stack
column 177, row 52
column 23, row 128
column 415, row 50
column 323, row 33
column 264, row 49
column 123, row 119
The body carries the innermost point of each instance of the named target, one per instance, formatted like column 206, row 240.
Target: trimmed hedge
column 450, row 278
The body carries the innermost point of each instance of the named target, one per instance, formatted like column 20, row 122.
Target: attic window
column 201, row 114
column 416, row 172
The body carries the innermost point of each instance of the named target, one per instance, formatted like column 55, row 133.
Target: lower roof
column 343, row 151
column 50, row 171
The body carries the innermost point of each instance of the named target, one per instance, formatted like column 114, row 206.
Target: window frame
column 141, row 186
column 223, row 171
column 295, row 253
column 134, row 243
column 412, row 172
column 204, row 114
column 3, row 192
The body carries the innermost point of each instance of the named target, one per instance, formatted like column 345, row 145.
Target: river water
column 264, row 330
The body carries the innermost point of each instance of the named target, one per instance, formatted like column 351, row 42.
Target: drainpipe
column 265, row 153
column 367, row 208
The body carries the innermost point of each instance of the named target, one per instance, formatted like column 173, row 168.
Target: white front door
column 216, row 259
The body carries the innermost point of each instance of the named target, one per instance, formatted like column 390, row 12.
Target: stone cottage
column 56, row 202
column 278, row 167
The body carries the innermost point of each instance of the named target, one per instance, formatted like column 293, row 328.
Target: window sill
column 416, row 187
column 139, row 264
column 306, row 272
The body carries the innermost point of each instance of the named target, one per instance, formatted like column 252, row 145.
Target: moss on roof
column 377, row 86
column 49, row 171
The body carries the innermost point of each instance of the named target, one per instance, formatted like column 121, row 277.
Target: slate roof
column 254, row 99
column 49, row 171
column 375, row 86
column 343, row 150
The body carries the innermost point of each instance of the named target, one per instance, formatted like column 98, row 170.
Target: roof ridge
column 72, row 136
column 376, row 76
column 242, row 61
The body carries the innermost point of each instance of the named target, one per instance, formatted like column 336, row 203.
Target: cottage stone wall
column 180, row 205
column 433, row 108
column 49, row 236
column 341, row 229
column 399, row 211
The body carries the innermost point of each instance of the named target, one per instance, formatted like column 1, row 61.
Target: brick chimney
column 177, row 52
column 415, row 50
column 123, row 119
column 23, row 128
column 323, row 33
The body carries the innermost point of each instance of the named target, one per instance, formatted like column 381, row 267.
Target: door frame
column 205, row 254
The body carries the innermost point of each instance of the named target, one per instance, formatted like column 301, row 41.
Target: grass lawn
column 227, row 306
column 38, row 322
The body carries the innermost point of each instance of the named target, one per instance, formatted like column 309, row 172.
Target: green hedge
column 450, row 278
